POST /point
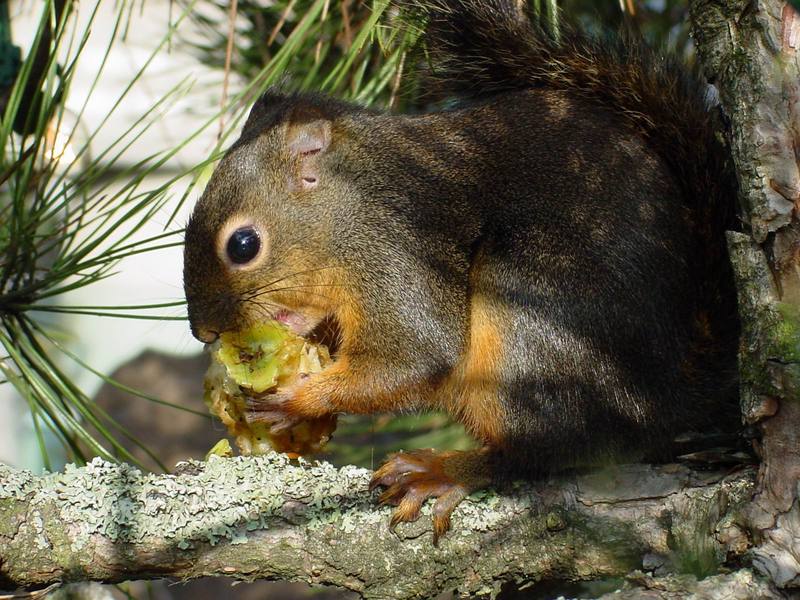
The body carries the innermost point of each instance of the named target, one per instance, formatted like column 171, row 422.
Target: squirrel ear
column 306, row 141
column 308, row 138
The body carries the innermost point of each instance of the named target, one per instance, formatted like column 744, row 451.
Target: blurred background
column 114, row 114
column 105, row 342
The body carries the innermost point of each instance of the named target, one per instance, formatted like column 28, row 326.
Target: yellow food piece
column 254, row 363
column 221, row 448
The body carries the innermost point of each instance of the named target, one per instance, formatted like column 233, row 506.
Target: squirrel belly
column 546, row 261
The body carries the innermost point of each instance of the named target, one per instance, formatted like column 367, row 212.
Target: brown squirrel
column 545, row 260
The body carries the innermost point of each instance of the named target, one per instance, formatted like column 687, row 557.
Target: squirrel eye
column 243, row 245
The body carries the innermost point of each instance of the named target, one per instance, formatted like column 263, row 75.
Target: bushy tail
column 482, row 47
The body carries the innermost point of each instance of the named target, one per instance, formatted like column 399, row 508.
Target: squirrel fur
column 545, row 260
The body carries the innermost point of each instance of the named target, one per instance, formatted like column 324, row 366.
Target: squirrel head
column 259, row 242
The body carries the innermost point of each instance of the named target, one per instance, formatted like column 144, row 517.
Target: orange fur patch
column 472, row 393
column 312, row 400
column 349, row 317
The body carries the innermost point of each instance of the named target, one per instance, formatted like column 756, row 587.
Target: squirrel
column 544, row 259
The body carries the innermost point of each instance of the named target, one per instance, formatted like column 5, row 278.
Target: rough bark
column 750, row 50
column 268, row 517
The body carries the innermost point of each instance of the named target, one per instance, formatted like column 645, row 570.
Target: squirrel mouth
column 325, row 331
column 294, row 321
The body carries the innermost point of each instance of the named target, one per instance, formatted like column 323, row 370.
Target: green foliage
column 695, row 553
column 365, row 50
column 353, row 49
column 365, row 441
column 662, row 22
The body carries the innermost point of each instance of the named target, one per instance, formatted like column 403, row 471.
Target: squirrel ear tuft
column 308, row 138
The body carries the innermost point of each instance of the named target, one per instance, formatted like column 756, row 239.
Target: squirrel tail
column 479, row 48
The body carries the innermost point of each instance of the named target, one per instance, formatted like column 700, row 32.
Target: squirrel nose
column 207, row 336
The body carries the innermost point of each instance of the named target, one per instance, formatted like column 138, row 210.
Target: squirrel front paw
column 287, row 431
column 270, row 409
column 286, row 407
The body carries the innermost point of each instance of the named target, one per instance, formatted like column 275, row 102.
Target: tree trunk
column 750, row 52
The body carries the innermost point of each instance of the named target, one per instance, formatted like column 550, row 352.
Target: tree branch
column 269, row 517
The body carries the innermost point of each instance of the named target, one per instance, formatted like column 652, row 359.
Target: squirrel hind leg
column 411, row 478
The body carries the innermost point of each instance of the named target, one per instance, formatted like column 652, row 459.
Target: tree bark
column 749, row 50
column 269, row 517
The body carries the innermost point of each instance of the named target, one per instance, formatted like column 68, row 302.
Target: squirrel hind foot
column 411, row 478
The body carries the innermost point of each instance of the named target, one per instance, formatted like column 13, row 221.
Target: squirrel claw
column 398, row 465
column 267, row 402
column 270, row 408
column 410, row 478
column 278, row 420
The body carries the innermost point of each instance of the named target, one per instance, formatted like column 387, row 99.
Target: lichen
column 224, row 498
column 770, row 329
column 788, row 332
column 14, row 484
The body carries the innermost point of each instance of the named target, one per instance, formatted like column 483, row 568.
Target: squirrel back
column 481, row 48
column 546, row 260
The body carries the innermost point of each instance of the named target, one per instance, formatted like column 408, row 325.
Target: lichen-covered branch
column 268, row 517
column 750, row 49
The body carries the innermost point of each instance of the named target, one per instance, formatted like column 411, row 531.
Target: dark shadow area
column 220, row 588
column 550, row 590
